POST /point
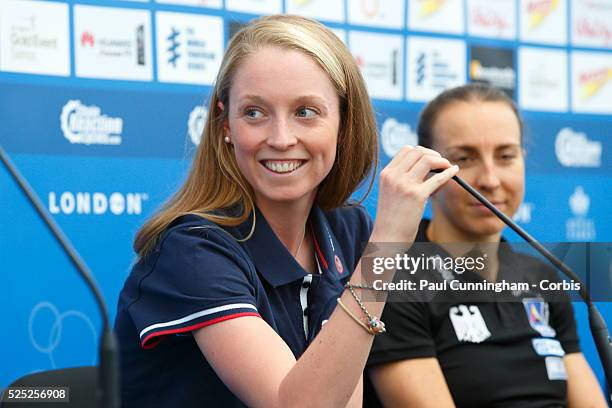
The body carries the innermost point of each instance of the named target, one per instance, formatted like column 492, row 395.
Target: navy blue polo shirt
column 199, row 275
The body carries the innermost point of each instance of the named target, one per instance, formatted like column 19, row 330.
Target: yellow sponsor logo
column 538, row 10
column 429, row 7
column 593, row 81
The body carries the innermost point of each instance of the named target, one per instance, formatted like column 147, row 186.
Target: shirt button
column 306, row 311
column 306, row 284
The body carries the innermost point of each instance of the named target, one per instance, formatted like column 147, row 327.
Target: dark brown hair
column 473, row 92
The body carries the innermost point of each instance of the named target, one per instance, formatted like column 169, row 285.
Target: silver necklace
column 297, row 253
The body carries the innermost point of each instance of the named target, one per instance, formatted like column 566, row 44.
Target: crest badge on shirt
column 469, row 324
column 338, row 263
column 538, row 315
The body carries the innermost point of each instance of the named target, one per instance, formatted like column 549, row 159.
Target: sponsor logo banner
column 395, row 135
column 523, row 213
column 592, row 23
column 377, row 13
column 580, row 227
column 543, row 79
column 327, row 10
column 434, row 65
column 436, row 15
column 196, row 123
column 189, row 47
column 574, row 149
column 112, row 43
column 591, row 82
column 495, row 19
column 493, row 66
column 88, row 125
column 34, row 37
column 255, row 6
column 555, row 145
column 380, row 58
column 95, row 203
column 70, row 121
column 544, row 21
column 196, row 3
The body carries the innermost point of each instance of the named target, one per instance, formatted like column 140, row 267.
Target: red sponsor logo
column 488, row 19
column 540, row 6
column 594, row 76
column 87, row 38
column 594, row 29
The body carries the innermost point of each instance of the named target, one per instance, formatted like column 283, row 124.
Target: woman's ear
column 221, row 107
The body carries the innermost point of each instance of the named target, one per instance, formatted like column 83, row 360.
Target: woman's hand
column 404, row 187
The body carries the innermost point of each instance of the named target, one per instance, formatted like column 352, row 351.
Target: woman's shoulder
column 191, row 234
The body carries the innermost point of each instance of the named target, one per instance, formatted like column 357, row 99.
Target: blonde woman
column 234, row 298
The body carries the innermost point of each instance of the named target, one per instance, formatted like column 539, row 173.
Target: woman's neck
column 458, row 243
column 441, row 230
column 288, row 221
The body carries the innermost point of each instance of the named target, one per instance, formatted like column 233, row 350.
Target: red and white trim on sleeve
column 151, row 335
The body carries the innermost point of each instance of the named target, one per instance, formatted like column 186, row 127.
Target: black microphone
column 108, row 393
column 597, row 324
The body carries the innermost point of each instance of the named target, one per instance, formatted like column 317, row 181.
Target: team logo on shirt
column 538, row 315
column 469, row 324
column 339, row 266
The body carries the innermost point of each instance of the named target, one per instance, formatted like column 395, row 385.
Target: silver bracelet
column 375, row 325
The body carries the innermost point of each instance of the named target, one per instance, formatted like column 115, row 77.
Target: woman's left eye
column 253, row 113
column 305, row 112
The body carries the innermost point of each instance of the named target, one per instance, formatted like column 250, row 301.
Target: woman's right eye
column 461, row 160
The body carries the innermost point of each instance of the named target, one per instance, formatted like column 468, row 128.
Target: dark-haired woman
column 469, row 352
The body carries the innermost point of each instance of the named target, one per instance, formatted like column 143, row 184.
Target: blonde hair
column 215, row 182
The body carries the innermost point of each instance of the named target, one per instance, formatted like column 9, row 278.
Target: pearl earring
column 227, row 139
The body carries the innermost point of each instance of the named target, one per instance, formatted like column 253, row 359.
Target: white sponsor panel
column 87, row 124
column 574, row 149
column 327, row 10
column 395, row 135
column 591, row 82
column 380, row 58
column 434, row 65
column 592, row 23
column 96, row 203
column 34, row 37
column 255, row 6
column 189, row 47
column 495, row 19
column 543, row 79
column 444, row 16
column 112, row 43
column 196, row 123
column 377, row 13
column 196, row 3
column 543, row 21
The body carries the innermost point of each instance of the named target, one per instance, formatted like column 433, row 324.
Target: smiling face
column 484, row 139
column 283, row 122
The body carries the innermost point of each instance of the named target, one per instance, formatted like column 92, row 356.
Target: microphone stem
column 108, row 378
